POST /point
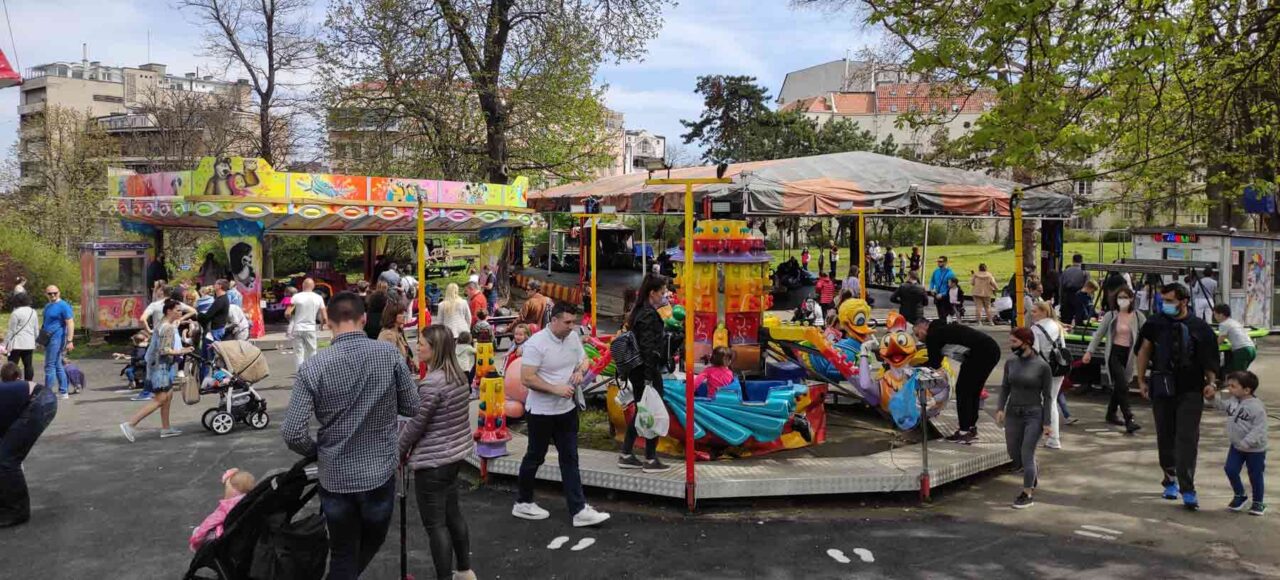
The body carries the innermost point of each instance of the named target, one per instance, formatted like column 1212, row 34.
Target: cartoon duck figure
column 854, row 322
column 895, row 392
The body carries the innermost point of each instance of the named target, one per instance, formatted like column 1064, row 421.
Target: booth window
column 122, row 276
column 1237, row 269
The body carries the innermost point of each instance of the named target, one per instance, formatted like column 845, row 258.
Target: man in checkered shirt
column 354, row 389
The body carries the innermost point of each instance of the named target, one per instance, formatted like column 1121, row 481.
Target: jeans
column 563, row 431
column 15, row 500
column 55, row 375
column 306, row 345
column 969, row 384
column 1117, row 367
column 1256, row 462
column 1023, row 426
column 638, row 377
column 357, row 524
column 1056, row 412
column 24, row 356
column 215, row 335
column 437, row 490
column 1177, row 421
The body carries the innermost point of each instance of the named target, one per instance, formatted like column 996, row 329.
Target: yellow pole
column 595, row 298
column 422, row 269
column 1018, row 268
column 691, row 480
column 862, row 255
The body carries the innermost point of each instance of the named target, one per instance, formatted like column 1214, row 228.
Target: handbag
column 43, row 338
column 625, row 351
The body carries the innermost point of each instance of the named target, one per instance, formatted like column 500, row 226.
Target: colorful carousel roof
column 311, row 203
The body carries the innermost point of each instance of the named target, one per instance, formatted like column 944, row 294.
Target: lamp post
column 690, row 473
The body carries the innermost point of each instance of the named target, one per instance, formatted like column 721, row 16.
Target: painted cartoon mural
column 243, row 242
column 1256, row 286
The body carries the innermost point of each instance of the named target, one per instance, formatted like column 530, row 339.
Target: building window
column 987, row 105
column 893, row 108
column 1237, row 269
column 1084, row 187
column 1198, row 219
column 1081, row 223
column 955, row 107
column 108, row 99
column 893, row 92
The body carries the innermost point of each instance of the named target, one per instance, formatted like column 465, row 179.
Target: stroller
column 262, row 540
column 236, row 367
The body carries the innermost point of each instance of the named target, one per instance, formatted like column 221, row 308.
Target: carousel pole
column 422, row 268
column 1019, row 279
column 595, row 297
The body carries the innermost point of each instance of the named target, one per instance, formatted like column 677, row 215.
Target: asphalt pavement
column 105, row 508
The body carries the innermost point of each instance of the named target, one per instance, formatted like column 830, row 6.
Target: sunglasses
column 51, row 293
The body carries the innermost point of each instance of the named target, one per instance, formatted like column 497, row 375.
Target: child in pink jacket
column 235, row 484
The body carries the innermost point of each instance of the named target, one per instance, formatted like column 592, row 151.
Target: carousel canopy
column 310, row 203
column 819, row 185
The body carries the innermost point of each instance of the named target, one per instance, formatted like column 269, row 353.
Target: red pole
column 690, row 471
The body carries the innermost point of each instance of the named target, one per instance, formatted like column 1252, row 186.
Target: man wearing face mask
column 1182, row 353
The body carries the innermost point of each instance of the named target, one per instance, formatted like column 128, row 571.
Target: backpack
column 625, row 352
column 1059, row 358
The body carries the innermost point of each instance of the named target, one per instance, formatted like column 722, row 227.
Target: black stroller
column 264, row 539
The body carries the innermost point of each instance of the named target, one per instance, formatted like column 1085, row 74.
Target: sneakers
column 1113, row 420
column 128, row 431
column 655, row 466
column 464, row 575
column 1170, row 490
column 1131, row 426
column 629, row 462
column 963, row 437
column 588, row 516
column 1070, row 421
column 142, row 397
column 166, row 433
column 956, row 437
column 1024, row 501
column 529, row 511
column 1258, row 508
column 64, row 396
column 1237, row 503
column 1052, row 445
column 1190, row 501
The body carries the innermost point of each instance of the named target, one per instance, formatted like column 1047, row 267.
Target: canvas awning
column 820, row 185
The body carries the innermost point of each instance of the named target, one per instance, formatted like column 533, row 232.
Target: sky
column 761, row 38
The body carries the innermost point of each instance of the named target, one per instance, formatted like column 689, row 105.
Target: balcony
column 31, row 108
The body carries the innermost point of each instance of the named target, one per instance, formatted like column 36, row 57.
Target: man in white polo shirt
column 552, row 364
column 306, row 316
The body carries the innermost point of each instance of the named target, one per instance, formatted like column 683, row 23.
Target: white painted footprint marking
column 838, row 556
column 865, row 554
column 583, row 544
column 558, row 542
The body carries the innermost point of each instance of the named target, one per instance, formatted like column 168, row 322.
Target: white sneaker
column 166, row 433
column 127, row 429
column 588, row 516
column 530, row 511
column 64, row 396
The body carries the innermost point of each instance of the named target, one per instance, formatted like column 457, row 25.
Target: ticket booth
column 113, row 283
column 1247, row 276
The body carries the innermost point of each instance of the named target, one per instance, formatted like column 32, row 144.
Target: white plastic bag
column 652, row 419
column 1003, row 303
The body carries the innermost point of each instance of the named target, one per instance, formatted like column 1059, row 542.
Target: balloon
column 515, row 390
column 673, row 324
column 514, row 409
column 677, row 312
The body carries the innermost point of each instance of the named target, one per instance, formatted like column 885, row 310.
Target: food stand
column 113, row 284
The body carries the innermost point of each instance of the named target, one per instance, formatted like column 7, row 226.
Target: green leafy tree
column 730, row 104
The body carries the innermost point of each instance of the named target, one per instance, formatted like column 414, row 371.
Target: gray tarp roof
column 820, row 185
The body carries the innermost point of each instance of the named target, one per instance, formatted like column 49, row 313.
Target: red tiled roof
column 845, row 104
column 906, row 97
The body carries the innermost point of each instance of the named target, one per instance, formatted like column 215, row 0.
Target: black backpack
column 1059, row 358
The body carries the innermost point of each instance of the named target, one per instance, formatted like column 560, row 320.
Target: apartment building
column 123, row 101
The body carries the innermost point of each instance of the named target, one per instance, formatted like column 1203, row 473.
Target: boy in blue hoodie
column 1247, row 430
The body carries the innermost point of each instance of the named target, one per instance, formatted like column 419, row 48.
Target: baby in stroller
column 236, row 367
column 135, row 371
column 235, row 483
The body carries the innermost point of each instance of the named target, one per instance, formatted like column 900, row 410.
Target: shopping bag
column 652, row 419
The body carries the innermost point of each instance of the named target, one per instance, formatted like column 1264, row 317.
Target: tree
column 269, row 41
column 730, row 104
column 677, row 155
column 183, row 126
column 487, row 88
column 64, row 177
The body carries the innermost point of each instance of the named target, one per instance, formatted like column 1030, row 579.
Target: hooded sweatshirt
column 1247, row 422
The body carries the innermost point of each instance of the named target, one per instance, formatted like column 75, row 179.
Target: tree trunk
column 1219, row 207
column 495, row 123
column 265, row 132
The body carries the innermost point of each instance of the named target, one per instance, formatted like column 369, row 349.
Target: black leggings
column 28, row 371
column 1116, row 366
column 638, row 377
column 437, row 491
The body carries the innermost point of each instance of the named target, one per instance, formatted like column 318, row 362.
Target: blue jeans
column 55, row 375
column 543, row 430
column 1062, row 404
column 357, row 524
column 206, row 350
column 1255, row 461
column 15, row 500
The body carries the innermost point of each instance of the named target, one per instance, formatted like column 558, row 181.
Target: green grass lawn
column 966, row 258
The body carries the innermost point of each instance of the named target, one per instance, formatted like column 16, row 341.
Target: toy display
column 491, row 426
column 895, row 391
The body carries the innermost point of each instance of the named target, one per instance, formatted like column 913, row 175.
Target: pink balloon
column 514, row 409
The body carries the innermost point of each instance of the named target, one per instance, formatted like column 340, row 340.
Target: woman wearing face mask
column 646, row 324
column 1047, row 332
column 1025, row 396
column 1120, row 327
